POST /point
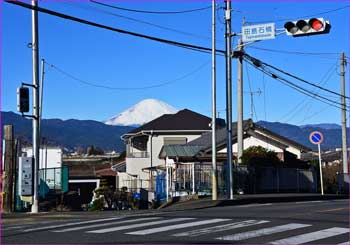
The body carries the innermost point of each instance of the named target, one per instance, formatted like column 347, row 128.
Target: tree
column 259, row 156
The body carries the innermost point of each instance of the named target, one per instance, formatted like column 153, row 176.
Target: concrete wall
column 48, row 158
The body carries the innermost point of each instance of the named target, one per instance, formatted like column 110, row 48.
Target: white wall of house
column 290, row 148
column 252, row 141
column 134, row 165
column 50, row 157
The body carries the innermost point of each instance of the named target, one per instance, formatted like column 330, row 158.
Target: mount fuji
column 141, row 113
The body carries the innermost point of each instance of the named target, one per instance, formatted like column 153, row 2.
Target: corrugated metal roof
column 180, row 151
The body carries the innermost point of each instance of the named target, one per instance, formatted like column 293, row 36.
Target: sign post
column 316, row 138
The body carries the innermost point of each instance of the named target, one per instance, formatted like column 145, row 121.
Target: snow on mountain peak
column 141, row 113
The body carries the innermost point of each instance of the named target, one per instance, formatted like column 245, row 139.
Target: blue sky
column 116, row 60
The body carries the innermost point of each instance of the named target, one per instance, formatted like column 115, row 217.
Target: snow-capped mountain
column 141, row 113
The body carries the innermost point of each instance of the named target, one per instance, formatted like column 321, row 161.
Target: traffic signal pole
column 229, row 97
column 240, row 105
column 213, row 123
column 36, row 143
column 343, row 115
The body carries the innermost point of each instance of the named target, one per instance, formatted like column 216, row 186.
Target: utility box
column 25, row 175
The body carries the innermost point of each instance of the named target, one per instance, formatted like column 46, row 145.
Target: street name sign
column 316, row 137
column 258, row 32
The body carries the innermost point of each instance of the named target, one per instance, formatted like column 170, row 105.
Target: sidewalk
column 250, row 199
column 183, row 205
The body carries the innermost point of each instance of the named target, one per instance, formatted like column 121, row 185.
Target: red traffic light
column 307, row 27
column 316, row 24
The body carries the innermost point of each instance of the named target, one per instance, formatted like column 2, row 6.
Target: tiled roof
column 248, row 125
column 182, row 120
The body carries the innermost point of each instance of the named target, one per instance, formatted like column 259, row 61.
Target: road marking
column 125, row 227
column 344, row 243
column 106, row 224
column 74, row 223
column 331, row 210
column 254, row 205
column 262, row 232
column 317, row 235
column 219, row 228
column 305, row 202
column 173, row 227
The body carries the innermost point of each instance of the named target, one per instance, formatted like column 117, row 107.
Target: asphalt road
column 316, row 222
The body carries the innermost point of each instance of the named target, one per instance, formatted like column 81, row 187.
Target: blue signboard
column 316, row 138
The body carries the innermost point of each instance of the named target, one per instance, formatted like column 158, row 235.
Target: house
column 191, row 167
column 144, row 144
column 253, row 135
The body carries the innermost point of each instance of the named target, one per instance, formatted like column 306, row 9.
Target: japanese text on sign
column 258, row 32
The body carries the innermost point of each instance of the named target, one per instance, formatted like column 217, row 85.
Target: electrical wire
column 251, row 94
column 296, row 87
column 291, row 113
column 304, row 16
column 86, row 22
column 318, row 55
column 295, row 77
column 157, row 85
column 141, row 21
column 152, row 12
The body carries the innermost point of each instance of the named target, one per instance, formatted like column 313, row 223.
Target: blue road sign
column 316, row 137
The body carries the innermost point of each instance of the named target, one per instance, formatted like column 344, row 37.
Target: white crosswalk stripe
column 219, row 228
column 173, row 227
column 309, row 237
column 119, row 228
column 262, row 232
column 70, row 224
column 105, row 224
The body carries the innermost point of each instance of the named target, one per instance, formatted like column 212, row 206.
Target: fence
column 271, row 180
column 343, row 182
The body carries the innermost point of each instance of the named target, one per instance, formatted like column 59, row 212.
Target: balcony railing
column 140, row 154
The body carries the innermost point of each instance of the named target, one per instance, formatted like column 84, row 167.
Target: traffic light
column 312, row 26
column 22, row 99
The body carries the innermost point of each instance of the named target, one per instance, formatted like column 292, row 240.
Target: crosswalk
column 212, row 229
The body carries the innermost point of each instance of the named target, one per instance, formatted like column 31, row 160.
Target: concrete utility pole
column 229, row 97
column 9, row 160
column 213, row 122
column 36, row 109
column 240, row 104
column 343, row 115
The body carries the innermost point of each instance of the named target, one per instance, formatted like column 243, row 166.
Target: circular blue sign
column 316, row 137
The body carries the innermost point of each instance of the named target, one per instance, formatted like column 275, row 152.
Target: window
column 175, row 140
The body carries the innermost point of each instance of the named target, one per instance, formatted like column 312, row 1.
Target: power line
column 157, row 85
column 86, row 22
column 318, row 55
column 293, row 76
column 142, row 22
column 295, row 86
column 152, row 12
column 324, row 80
column 304, row 16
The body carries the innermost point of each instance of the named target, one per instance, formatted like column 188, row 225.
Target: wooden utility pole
column 7, row 176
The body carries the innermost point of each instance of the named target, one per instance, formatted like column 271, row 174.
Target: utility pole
column 9, row 160
column 240, row 104
column 213, row 123
column 229, row 96
column 343, row 115
column 252, row 93
column 36, row 109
